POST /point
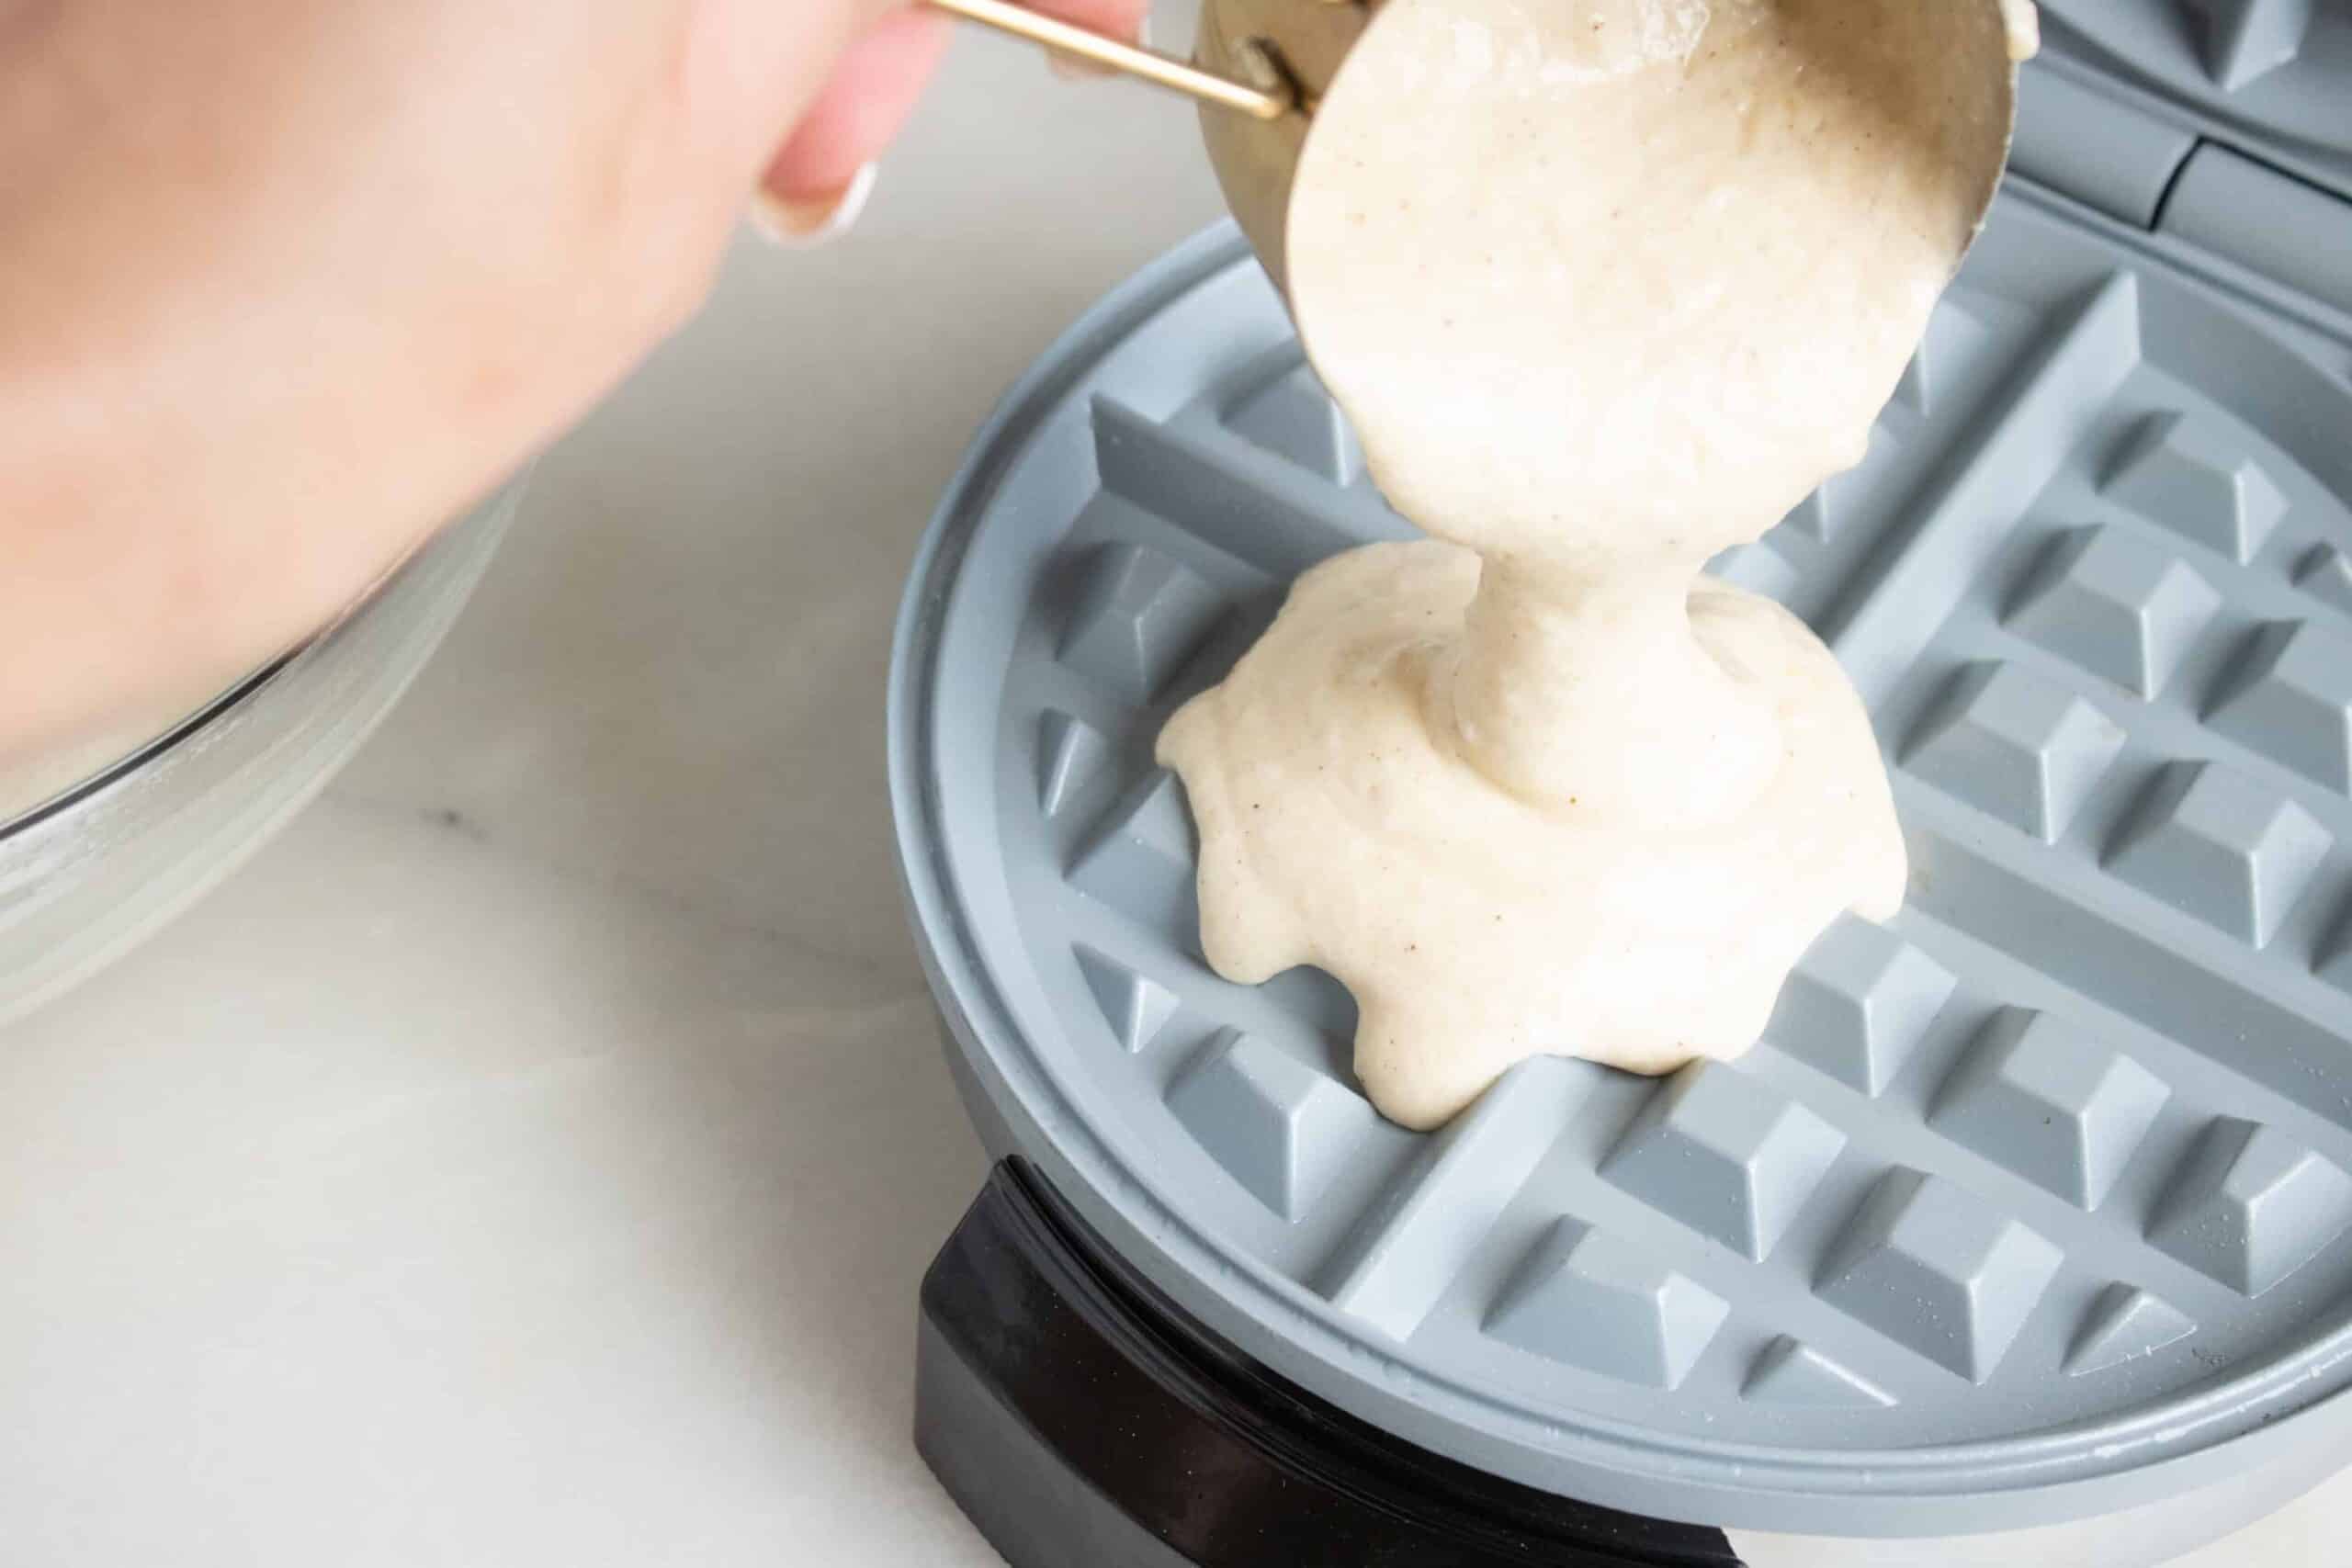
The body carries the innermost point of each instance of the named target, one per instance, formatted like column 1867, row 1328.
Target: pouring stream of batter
column 1606, row 287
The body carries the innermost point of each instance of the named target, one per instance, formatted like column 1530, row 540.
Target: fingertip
column 873, row 89
column 805, row 225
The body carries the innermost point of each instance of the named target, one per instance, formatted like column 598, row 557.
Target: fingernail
column 798, row 224
column 1078, row 68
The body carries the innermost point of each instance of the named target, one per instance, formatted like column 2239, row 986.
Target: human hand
column 289, row 281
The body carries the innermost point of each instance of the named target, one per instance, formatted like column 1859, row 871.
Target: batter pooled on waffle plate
column 1606, row 288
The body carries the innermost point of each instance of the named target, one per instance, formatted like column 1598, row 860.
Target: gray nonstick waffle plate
column 2032, row 1202
column 2274, row 69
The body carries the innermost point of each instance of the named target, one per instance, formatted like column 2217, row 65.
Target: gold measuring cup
column 1260, row 66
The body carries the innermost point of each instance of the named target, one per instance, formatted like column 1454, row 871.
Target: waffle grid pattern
column 2067, row 1138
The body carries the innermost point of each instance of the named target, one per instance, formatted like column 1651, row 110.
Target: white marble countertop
column 530, row 1157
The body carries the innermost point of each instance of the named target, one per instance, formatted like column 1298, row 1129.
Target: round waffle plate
column 2032, row 1205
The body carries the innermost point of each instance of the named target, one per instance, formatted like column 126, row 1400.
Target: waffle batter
column 1606, row 287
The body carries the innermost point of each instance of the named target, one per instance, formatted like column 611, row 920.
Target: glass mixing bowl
column 92, row 869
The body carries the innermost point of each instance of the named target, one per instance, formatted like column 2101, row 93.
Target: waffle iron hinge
column 2187, row 181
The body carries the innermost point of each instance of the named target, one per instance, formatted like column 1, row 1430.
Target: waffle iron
column 2024, row 1235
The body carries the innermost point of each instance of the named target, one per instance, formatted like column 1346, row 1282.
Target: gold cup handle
column 1269, row 98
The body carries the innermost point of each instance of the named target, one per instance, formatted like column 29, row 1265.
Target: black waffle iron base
column 1081, row 1421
